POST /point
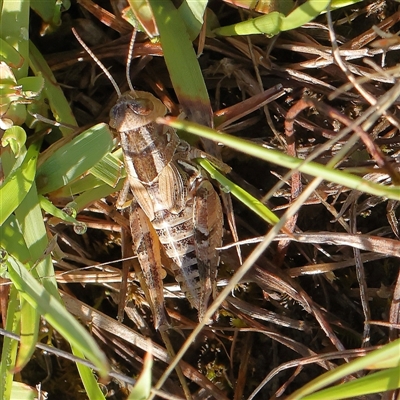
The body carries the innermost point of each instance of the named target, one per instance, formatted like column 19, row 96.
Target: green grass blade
column 182, row 63
column 276, row 21
column 21, row 391
column 58, row 103
column 15, row 137
column 192, row 13
column 110, row 172
column 12, row 240
column 9, row 54
column 51, row 209
column 55, row 313
column 229, row 187
column 92, row 388
column 378, row 382
column 10, row 346
column 266, row 24
column 16, row 31
column 49, row 11
column 17, row 184
column 276, row 157
column 304, row 13
column 141, row 391
column 99, row 192
column 74, row 158
column 29, row 334
column 358, row 364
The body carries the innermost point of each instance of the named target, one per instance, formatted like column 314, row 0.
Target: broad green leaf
column 17, row 184
column 192, row 13
column 50, row 12
column 74, row 158
column 108, row 169
column 16, row 31
column 15, row 137
column 10, row 55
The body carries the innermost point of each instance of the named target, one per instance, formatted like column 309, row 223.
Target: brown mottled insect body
column 174, row 203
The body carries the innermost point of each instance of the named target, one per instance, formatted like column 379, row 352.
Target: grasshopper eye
column 141, row 106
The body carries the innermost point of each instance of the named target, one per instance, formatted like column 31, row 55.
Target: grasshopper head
column 134, row 110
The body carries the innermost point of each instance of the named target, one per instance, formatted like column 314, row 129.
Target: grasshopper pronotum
column 175, row 208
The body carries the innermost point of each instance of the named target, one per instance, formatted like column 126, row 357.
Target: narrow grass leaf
column 229, row 187
column 276, row 21
column 336, row 4
column 97, row 193
column 12, row 240
column 266, row 24
column 304, row 13
column 29, row 334
column 142, row 389
column 90, row 181
column 92, row 388
column 55, row 313
column 10, row 346
column 182, row 62
column 58, row 103
column 51, row 209
column 378, row 382
column 358, row 364
column 279, row 158
column 21, row 391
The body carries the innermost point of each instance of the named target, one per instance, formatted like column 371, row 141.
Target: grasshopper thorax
column 134, row 110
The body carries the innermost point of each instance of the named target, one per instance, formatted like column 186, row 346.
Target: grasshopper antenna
column 129, row 60
column 99, row 63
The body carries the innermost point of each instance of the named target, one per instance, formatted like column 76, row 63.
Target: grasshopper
column 175, row 208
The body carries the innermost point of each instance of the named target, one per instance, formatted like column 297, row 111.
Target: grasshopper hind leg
column 147, row 247
column 208, row 232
